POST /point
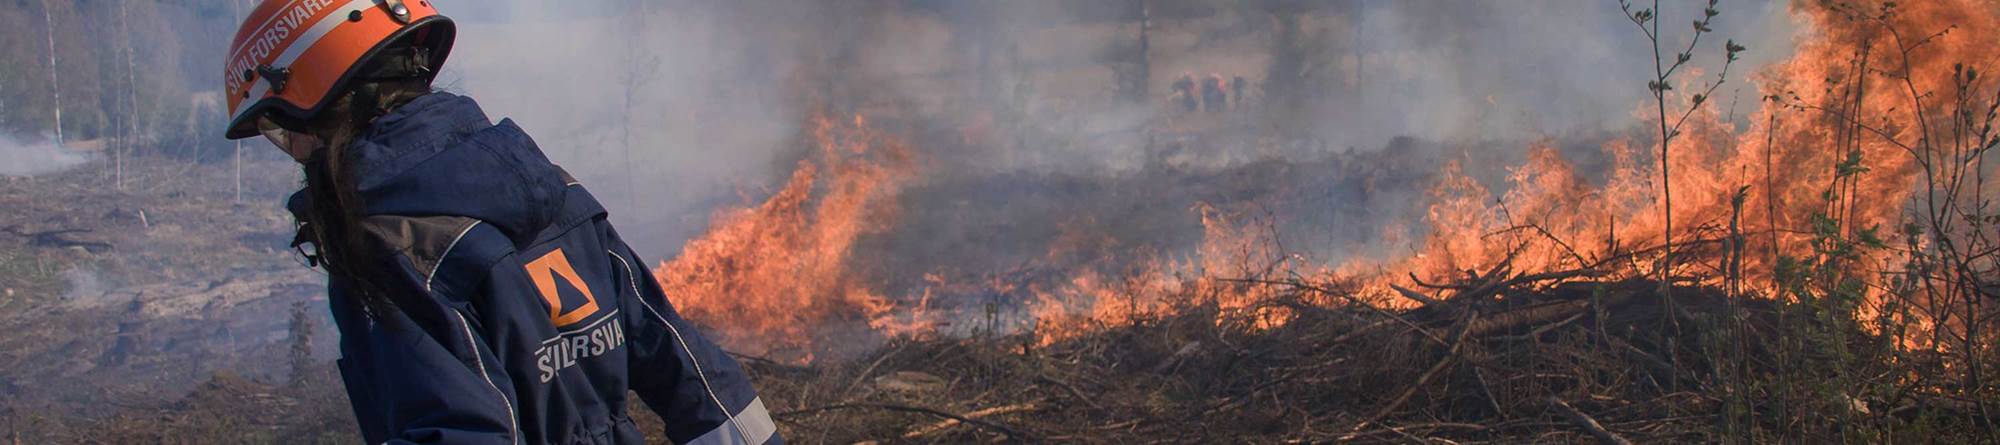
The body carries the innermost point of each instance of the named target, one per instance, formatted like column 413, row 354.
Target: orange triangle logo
column 544, row 271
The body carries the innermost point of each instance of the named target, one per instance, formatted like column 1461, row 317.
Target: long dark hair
column 332, row 221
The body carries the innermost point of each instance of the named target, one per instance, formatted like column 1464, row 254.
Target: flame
column 767, row 277
column 1151, row 285
column 773, row 276
column 1844, row 101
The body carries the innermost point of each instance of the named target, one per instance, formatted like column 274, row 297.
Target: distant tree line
column 136, row 76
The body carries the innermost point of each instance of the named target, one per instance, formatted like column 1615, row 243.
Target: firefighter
column 1213, row 97
column 480, row 293
column 1184, row 91
column 1236, row 86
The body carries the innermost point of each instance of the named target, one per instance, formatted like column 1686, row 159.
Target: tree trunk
column 633, row 82
column 124, row 140
column 235, row 12
column 131, row 89
column 55, row 87
column 239, row 171
column 1145, row 74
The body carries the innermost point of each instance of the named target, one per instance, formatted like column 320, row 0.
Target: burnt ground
column 120, row 301
column 1568, row 362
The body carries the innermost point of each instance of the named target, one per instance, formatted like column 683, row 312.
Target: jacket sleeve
column 703, row 394
column 411, row 385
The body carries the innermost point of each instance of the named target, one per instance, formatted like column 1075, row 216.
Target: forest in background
column 131, row 78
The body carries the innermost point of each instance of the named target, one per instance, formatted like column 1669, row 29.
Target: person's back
column 527, row 274
column 481, row 294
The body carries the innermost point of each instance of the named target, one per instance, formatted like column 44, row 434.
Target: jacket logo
column 544, row 271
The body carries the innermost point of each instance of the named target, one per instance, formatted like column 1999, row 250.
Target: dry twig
column 1588, row 424
column 1449, row 356
column 1011, row 432
column 948, row 423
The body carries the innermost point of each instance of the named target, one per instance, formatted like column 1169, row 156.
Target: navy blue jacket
column 521, row 316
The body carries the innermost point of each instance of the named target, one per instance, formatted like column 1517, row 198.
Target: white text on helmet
column 267, row 39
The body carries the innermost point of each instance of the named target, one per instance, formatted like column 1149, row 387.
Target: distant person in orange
column 481, row 294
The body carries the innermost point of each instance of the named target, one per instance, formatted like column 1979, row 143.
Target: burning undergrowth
column 1832, row 257
column 868, row 241
column 772, row 275
column 1826, row 165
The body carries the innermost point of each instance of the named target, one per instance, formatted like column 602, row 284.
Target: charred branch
column 57, row 239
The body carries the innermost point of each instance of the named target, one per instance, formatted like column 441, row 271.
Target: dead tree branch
column 996, row 427
column 1584, row 421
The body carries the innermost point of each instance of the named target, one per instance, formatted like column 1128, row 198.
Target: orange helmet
column 291, row 56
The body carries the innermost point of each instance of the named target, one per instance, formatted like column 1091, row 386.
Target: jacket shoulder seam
column 446, row 253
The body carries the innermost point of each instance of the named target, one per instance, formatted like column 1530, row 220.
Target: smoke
column 83, row 283
column 663, row 111
column 19, row 158
column 1459, row 71
column 669, row 110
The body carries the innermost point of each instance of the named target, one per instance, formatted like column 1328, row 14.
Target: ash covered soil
column 123, row 299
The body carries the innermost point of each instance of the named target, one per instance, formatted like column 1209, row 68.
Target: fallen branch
column 1357, row 332
column 1419, row 297
column 55, row 238
column 1537, row 313
column 1449, row 356
column 1528, row 316
column 1080, row 396
column 1584, row 421
column 1499, row 285
column 1002, row 429
column 948, row 423
column 1299, row 284
column 865, row 372
column 1420, row 426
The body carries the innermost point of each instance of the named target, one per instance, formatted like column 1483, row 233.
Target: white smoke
column 1468, row 71
column 668, row 109
column 19, row 158
column 660, row 113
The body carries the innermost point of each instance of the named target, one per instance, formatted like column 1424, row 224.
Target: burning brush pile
column 1829, row 276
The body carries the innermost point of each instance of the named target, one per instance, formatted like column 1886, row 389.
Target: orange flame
column 771, row 276
column 767, row 277
column 1847, row 101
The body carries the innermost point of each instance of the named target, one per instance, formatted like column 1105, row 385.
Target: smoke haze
column 19, row 158
column 670, row 109
column 1515, row 70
